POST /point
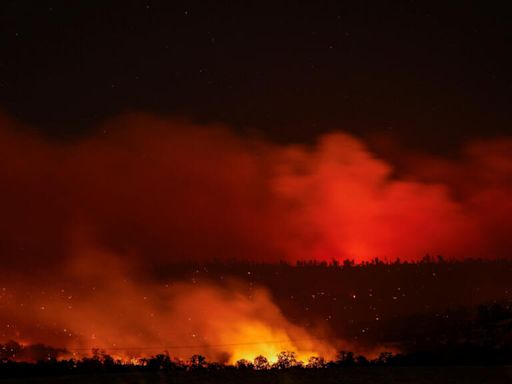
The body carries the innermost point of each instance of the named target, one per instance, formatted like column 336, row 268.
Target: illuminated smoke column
column 84, row 223
column 172, row 190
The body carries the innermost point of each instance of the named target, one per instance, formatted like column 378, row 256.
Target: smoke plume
column 167, row 190
column 85, row 223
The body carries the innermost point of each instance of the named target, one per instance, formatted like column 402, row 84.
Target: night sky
column 428, row 76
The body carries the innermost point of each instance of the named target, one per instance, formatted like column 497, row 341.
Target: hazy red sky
column 166, row 190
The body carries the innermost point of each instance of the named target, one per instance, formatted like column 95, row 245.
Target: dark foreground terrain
column 355, row 375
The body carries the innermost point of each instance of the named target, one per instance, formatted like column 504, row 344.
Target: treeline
column 101, row 362
column 487, row 342
column 340, row 263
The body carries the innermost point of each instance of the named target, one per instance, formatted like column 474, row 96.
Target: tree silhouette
column 315, row 362
column 9, row 350
column 362, row 361
column 261, row 362
column 198, row 361
column 346, row 359
column 160, row 361
column 244, row 364
column 285, row 360
column 384, row 358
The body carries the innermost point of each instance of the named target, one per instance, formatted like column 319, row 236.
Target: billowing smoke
column 98, row 306
column 163, row 190
column 85, row 223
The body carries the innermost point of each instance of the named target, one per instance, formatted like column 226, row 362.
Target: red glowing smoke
column 161, row 190
column 86, row 223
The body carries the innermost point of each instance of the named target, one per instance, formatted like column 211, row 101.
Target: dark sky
column 432, row 76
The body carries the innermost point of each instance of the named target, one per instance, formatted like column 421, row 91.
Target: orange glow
column 132, row 320
column 108, row 212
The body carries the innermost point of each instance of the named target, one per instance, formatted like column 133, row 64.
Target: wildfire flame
column 129, row 319
column 108, row 213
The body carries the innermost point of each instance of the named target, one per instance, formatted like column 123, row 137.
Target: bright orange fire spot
column 223, row 323
column 270, row 342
